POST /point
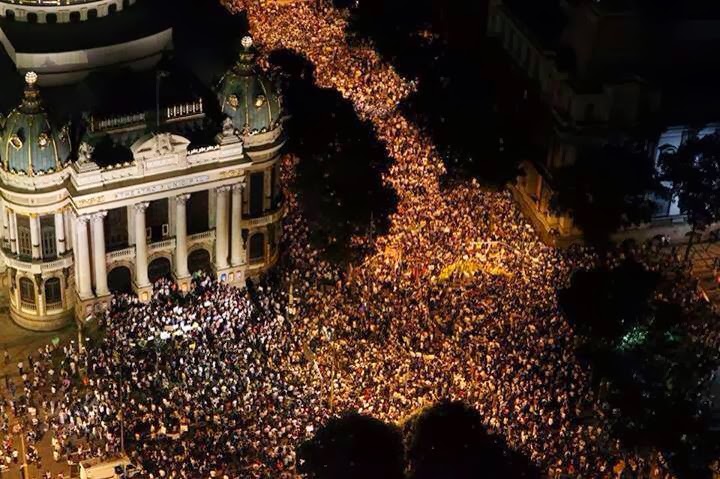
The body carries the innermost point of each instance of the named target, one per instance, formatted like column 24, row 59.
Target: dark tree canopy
column 353, row 447
column 341, row 162
column 449, row 440
column 439, row 45
column 647, row 366
column 607, row 188
column 602, row 305
column 694, row 170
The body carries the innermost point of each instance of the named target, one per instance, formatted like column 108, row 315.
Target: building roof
column 662, row 9
column 248, row 97
column 545, row 19
column 137, row 21
column 189, row 76
column 31, row 144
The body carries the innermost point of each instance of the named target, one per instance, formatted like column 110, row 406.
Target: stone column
column 82, row 257
column 99, row 259
column 267, row 244
column 236, row 253
column 131, row 225
column 35, row 236
column 60, row 233
column 181, row 256
column 141, row 263
column 267, row 191
column 13, row 232
column 212, row 210
column 69, row 235
column 221, row 228
column 6, row 226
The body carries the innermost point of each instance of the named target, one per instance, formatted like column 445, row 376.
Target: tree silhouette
column 694, row 170
column 446, row 441
column 339, row 175
column 438, row 44
column 607, row 188
column 353, row 447
column 646, row 363
column 449, row 440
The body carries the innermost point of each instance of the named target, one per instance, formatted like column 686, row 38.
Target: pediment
column 159, row 144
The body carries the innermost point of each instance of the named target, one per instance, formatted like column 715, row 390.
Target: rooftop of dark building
column 143, row 19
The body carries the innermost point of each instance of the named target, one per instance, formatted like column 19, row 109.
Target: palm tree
column 694, row 170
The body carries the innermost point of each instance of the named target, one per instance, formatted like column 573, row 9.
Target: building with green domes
column 95, row 202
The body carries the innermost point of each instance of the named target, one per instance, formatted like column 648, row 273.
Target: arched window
column 24, row 241
column 47, row 236
column 27, row 291
column 120, row 280
column 51, row 18
column 199, row 260
column 74, row 17
column 92, row 13
column 10, row 14
column 32, row 17
column 112, row 9
column 257, row 247
column 159, row 268
column 53, row 292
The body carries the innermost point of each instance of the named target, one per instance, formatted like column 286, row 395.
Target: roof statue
column 163, row 143
column 85, row 151
column 228, row 129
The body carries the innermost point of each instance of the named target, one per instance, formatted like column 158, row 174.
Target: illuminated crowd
column 221, row 382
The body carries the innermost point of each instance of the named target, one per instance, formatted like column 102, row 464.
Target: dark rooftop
column 545, row 19
column 143, row 19
column 204, row 40
column 664, row 9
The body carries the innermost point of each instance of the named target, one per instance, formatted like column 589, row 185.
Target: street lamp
column 17, row 429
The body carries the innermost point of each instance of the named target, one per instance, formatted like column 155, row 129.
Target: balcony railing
column 28, row 306
column 54, row 306
column 210, row 234
column 36, row 266
column 267, row 219
column 161, row 245
column 120, row 254
column 205, row 236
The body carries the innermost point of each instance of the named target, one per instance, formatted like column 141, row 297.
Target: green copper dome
column 30, row 143
column 248, row 97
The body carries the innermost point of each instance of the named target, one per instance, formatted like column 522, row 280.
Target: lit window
column 53, row 293
column 27, row 290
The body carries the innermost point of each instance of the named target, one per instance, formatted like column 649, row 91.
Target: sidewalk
column 702, row 256
column 20, row 343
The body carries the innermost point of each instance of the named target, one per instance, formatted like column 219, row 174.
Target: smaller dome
column 248, row 97
column 30, row 143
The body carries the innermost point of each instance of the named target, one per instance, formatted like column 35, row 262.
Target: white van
column 108, row 468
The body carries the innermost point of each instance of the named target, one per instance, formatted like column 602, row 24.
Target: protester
column 457, row 301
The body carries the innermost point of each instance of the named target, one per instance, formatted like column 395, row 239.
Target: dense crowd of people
column 222, row 382
column 205, row 384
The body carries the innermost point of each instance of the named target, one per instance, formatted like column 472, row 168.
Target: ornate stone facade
column 74, row 235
